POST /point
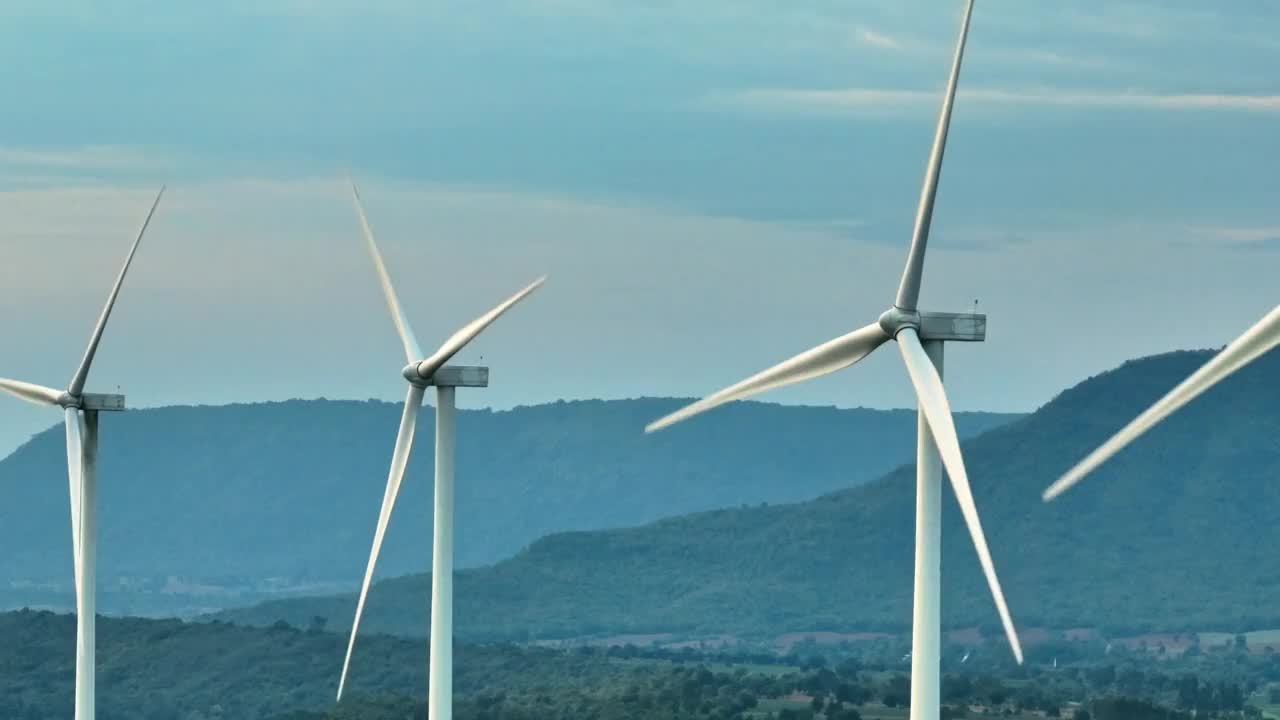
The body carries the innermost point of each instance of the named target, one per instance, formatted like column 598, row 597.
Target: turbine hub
column 67, row 400
column 410, row 373
column 893, row 320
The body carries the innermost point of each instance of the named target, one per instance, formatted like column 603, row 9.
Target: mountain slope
column 203, row 507
column 1178, row 532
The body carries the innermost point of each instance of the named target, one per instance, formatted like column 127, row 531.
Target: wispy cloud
column 90, row 157
column 872, row 38
column 975, row 238
column 1261, row 238
column 999, row 54
column 1039, row 56
column 864, row 100
column 852, row 228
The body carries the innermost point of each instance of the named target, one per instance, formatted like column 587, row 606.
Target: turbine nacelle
column 447, row 376
column 91, row 402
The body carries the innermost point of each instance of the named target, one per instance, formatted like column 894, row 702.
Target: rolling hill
column 206, row 507
column 1178, row 532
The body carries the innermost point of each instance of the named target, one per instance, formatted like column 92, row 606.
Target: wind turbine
column 80, row 417
column 920, row 337
column 421, row 372
column 1260, row 338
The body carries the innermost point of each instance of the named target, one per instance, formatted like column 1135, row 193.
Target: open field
column 1157, row 644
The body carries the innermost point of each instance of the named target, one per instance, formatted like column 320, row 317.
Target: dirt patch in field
column 974, row 636
column 785, row 643
column 1173, row 643
column 1034, row 636
column 717, row 642
column 965, row 636
column 608, row 641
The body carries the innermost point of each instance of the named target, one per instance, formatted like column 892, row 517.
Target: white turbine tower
column 80, row 416
column 421, row 372
column 1255, row 341
column 920, row 338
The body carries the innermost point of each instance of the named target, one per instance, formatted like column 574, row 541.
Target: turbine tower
column 1260, row 338
column 80, row 417
column 920, row 337
column 421, row 373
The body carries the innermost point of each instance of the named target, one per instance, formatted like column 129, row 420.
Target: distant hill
column 206, row 507
column 1178, row 532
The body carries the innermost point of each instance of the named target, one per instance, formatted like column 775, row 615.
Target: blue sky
column 712, row 186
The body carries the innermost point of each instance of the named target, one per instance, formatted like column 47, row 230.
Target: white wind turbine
column 80, row 416
column 421, row 372
column 920, row 338
column 1255, row 341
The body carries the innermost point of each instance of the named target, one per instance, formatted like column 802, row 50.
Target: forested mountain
column 1178, row 532
column 204, row 507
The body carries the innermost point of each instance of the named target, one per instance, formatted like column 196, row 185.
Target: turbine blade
column 937, row 411
column 1260, row 338
column 909, row 287
column 399, row 459
column 37, row 394
column 468, row 332
column 75, row 475
column 826, row 358
column 411, row 349
column 82, row 373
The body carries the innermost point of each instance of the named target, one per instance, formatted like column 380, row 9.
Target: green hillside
column 1178, row 532
column 206, row 507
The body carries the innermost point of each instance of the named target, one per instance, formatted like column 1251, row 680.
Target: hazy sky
column 712, row 186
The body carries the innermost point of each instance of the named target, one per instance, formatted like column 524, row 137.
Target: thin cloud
column 1264, row 238
column 1015, row 55
column 850, row 228
column 863, row 100
column 871, row 38
column 77, row 159
column 868, row 37
column 895, row 234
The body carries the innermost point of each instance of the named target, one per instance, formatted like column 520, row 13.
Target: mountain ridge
column 208, row 507
column 1194, row 494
